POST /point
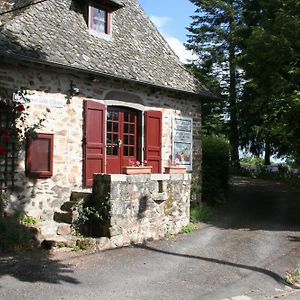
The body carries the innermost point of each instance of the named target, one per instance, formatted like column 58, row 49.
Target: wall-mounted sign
column 52, row 101
column 183, row 141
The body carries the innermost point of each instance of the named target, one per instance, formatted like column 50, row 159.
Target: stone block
column 103, row 243
column 64, row 229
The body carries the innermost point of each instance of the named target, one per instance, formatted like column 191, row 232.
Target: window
column 39, row 156
column 99, row 20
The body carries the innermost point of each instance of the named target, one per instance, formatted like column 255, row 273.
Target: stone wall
column 143, row 207
column 40, row 197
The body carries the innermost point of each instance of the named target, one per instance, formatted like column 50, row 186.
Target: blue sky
column 171, row 17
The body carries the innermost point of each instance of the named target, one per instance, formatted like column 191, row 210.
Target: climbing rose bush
column 13, row 133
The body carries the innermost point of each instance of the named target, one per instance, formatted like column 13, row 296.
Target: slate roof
column 56, row 32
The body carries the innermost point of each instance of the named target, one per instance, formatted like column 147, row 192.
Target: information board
column 183, row 141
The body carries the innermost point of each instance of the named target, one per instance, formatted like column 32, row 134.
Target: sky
column 171, row 17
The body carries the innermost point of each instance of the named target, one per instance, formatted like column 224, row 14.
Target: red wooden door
column 153, row 138
column 121, row 138
column 94, row 140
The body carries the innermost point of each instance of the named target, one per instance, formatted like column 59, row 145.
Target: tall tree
column 271, row 59
column 213, row 36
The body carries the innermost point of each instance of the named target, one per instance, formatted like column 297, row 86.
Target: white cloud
column 160, row 22
column 176, row 45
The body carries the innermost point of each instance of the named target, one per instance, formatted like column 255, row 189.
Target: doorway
column 122, row 138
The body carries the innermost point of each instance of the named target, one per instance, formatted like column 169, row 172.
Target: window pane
column 132, row 117
column 108, row 140
column 115, row 150
column 109, row 126
column 115, row 139
column 132, row 140
column 116, row 127
column 98, row 19
column 131, row 151
column 108, row 150
column 131, row 128
column 126, row 128
column 109, row 115
column 126, row 116
column 125, row 151
column 126, row 139
column 116, row 116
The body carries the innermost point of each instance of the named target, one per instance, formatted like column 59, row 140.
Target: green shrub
column 215, row 169
column 201, row 213
column 13, row 235
column 28, row 220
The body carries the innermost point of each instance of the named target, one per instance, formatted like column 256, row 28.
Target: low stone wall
column 143, row 207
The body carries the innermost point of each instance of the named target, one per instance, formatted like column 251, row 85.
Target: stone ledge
column 141, row 177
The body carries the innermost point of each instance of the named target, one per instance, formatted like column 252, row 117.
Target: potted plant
column 136, row 167
column 175, row 168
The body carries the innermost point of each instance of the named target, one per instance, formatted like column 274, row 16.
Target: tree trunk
column 233, row 134
column 267, row 152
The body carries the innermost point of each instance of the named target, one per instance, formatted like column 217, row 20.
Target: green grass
column 188, row 228
column 201, row 213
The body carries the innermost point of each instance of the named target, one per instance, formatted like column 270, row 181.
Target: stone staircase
column 59, row 232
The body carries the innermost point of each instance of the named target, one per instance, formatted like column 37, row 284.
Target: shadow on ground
column 36, row 266
column 279, row 279
column 260, row 205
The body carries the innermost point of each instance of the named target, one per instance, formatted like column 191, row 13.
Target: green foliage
column 92, row 216
column 201, row 212
column 188, row 228
column 28, row 220
column 252, row 160
column 214, row 38
column 215, row 168
column 270, row 57
column 13, row 235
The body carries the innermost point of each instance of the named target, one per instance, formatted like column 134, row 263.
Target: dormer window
column 99, row 20
column 99, row 16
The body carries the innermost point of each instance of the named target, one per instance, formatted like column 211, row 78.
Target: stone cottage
column 112, row 91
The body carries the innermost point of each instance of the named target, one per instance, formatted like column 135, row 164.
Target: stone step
column 59, row 241
column 67, row 206
column 63, row 217
column 54, row 228
column 79, row 195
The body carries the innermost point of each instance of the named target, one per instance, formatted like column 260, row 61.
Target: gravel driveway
column 242, row 254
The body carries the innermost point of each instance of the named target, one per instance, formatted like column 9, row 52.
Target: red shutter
column 94, row 140
column 39, row 156
column 153, row 137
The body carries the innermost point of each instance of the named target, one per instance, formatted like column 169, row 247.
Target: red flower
column 6, row 138
column 20, row 108
column 3, row 150
column 137, row 163
column 145, row 162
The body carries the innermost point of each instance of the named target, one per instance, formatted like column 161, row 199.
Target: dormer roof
column 52, row 31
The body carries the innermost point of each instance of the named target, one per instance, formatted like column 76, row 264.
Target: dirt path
column 241, row 255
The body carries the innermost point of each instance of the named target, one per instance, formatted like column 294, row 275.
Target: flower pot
column 137, row 170
column 175, row 170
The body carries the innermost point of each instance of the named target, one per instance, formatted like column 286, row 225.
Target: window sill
column 101, row 35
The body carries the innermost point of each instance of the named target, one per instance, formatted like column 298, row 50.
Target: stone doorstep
column 67, row 206
column 63, row 217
